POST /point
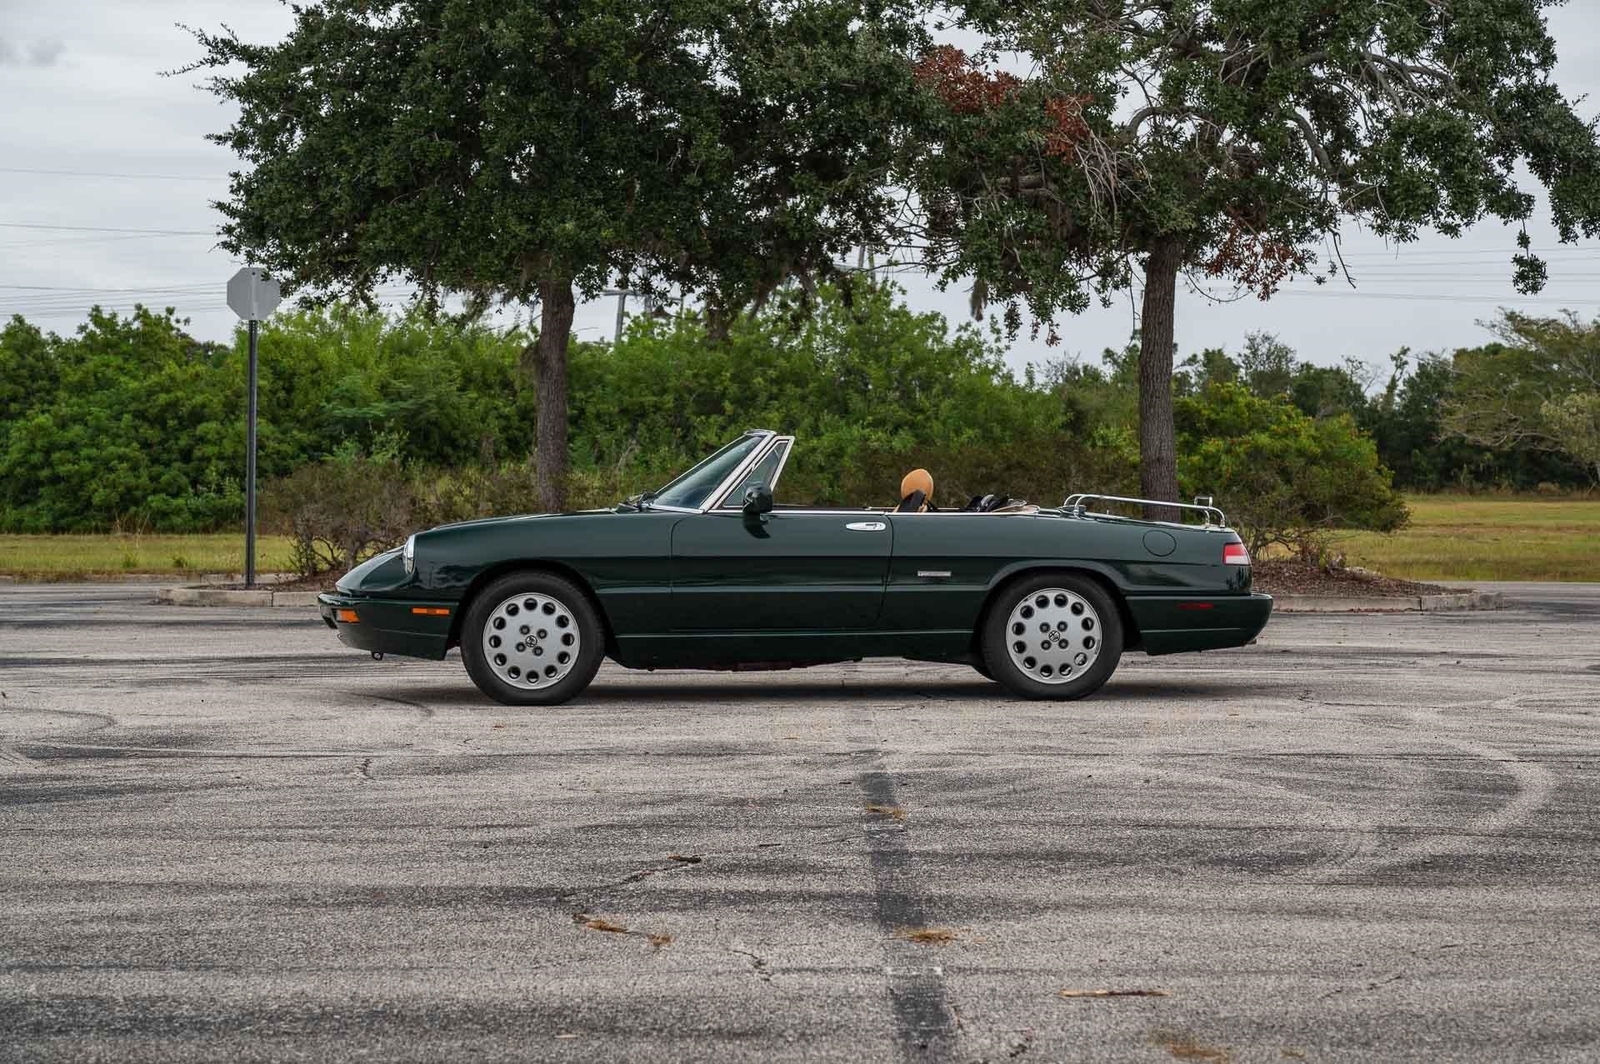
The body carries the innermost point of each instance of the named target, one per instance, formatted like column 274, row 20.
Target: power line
column 76, row 240
column 62, row 288
column 108, row 229
column 1509, row 300
column 102, row 173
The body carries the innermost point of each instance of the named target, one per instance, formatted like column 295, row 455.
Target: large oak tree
column 1232, row 139
column 530, row 153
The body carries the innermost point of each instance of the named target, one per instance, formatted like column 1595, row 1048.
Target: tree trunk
column 1158, row 451
column 556, row 307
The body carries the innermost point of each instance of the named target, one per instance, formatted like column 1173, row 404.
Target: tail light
column 1235, row 554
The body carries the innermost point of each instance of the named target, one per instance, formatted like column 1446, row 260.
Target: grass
column 1452, row 537
column 71, row 557
column 1475, row 537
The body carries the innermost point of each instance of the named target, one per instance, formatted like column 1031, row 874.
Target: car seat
column 916, row 492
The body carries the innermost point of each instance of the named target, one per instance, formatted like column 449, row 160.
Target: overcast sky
column 81, row 94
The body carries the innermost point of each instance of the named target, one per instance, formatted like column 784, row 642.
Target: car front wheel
column 1053, row 636
column 531, row 639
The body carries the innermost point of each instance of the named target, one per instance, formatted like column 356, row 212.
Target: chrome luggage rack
column 1077, row 506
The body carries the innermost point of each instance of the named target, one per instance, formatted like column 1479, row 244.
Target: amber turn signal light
column 430, row 611
column 347, row 616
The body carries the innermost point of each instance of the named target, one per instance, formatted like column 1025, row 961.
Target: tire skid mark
column 1359, row 835
column 1356, row 836
column 1535, row 785
column 925, row 1024
column 100, row 721
column 12, row 759
column 424, row 711
column 45, row 750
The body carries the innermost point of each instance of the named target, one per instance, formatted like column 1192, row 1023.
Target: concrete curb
column 90, row 577
column 1461, row 600
column 214, row 596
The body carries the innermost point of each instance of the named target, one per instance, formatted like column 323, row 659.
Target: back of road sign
column 252, row 294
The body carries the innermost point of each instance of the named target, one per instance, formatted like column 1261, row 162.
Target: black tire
column 983, row 670
column 998, row 637
column 569, row 601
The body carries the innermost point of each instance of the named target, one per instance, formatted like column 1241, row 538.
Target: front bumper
column 1170, row 624
column 405, row 627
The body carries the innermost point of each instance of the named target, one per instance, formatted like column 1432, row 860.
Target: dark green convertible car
column 709, row 572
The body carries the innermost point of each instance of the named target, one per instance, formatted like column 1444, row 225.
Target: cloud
column 43, row 53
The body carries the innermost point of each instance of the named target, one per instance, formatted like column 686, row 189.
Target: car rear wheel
column 1053, row 636
column 531, row 639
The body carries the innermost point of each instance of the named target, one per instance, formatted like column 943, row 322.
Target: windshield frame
column 762, row 438
column 730, row 495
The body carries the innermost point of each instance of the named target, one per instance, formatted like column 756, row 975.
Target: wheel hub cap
column 531, row 641
column 1053, row 635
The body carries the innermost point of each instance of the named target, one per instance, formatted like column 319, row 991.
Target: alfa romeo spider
column 711, row 572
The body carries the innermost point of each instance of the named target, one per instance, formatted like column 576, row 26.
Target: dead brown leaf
column 660, row 940
column 1183, row 1047
column 596, row 923
column 897, row 812
column 927, row 936
column 1068, row 992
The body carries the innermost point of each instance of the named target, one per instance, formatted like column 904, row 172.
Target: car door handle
column 866, row 526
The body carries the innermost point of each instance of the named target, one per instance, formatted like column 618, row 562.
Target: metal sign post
column 252, row 295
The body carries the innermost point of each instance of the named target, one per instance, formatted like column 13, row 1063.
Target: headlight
column 409, row 553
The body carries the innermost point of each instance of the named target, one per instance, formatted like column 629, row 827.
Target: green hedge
column 130, row 422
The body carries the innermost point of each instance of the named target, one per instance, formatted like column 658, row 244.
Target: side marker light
column 347, row 616
column 430, row 611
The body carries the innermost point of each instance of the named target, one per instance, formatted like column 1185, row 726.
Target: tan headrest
column 917, row 480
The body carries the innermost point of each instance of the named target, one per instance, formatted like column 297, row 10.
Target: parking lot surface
column 1368, row 837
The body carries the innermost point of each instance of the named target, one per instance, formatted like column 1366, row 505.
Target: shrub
column 341, row 511
column 1284, row 478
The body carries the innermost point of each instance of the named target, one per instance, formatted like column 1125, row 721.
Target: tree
column 1574, row 424
column 1286, row 478
column 1539, row 386
column 528, row 153
column 1231, row 139
column 134, row 422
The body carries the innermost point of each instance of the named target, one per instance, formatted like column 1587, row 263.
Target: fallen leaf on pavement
column 1068, row 992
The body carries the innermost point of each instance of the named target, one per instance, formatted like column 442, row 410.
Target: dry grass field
column 1451, row 537
column 82, row 557
column 1477, row 537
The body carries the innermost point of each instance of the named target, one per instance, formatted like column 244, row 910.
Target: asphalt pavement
column 1368, row 837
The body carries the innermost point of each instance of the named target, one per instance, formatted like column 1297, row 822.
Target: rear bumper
column 1177, row 625
column 390, row 626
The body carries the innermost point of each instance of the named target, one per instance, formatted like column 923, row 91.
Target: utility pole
column 622, row 295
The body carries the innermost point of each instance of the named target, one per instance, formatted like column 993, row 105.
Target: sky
column 106, row 181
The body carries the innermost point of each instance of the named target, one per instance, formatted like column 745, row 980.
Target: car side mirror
column 757, row 501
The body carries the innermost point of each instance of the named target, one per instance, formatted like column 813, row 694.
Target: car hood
column 490, row 522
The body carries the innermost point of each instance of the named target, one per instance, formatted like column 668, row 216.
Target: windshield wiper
column 640, row 501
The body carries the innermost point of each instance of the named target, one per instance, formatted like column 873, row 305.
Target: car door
column 796, row 570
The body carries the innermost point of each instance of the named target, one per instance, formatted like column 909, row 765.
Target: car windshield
column 692, row 488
